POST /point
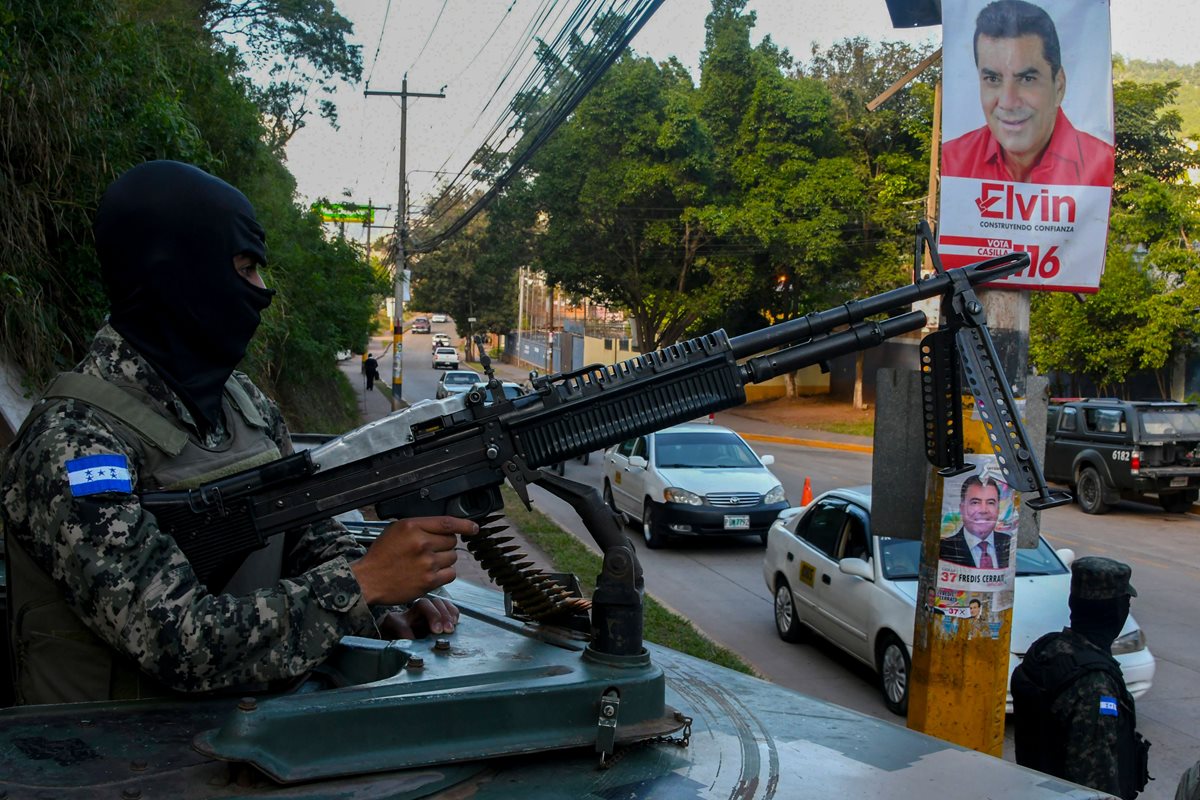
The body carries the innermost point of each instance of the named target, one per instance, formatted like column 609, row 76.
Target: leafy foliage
column 1147, row 309
column 89, row 88
column 465, row 279
column 1187, row 76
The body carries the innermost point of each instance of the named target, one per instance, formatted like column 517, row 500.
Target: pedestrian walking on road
column 371, row 368
column 1075, row 718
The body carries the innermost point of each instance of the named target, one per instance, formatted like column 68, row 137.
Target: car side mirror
column 1065, row 555
column 638, row 461
column 767, row 460
column 858, row 568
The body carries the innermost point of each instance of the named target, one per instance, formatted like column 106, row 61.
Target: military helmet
column 1097, row 578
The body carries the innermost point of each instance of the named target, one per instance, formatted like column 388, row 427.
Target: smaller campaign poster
column 977, row 554
column 1027, row 138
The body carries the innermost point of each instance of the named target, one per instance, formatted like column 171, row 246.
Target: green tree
column 464, row 278
column 89, row 88
column 1147, row 309
column 612, row 202
column 300, row 44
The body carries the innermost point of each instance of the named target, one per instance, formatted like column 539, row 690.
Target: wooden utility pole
column 401, row 251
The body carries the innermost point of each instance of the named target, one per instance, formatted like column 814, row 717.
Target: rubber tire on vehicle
column 895, row 671
column 787, row 622
column 1089, row 490
column 608, row 501
column 1178, row 503
column 654, row 539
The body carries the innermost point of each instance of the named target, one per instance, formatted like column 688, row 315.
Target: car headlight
column 673, row 495
column 1131, row 642
column 776, row 495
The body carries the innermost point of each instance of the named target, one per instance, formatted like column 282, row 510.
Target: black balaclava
column 1100, row 620
column 166, row 234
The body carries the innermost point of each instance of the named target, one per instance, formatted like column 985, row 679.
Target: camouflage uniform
column 1091, row 738
column 130, row 584
column 1074, row 717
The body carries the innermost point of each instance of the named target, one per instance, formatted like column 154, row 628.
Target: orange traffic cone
column 806, row 495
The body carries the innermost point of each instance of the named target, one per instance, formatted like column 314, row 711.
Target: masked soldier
column 1074, row 717
column 104, row 604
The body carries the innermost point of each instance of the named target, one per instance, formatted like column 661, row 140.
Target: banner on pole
column 1027, row 138
column 345, row 212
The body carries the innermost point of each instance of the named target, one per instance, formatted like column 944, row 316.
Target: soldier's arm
column 312, row 545
column 1091, row 754
column 133, row 587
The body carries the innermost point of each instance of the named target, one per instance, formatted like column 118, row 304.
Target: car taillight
column 1135, row 461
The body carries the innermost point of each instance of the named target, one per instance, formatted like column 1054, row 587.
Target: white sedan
column 828, row 574
column 692, row 480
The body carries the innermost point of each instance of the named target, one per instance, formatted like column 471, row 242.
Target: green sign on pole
column 345, row 212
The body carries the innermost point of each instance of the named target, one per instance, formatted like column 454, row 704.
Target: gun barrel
column 859, row 337
column 822, row 322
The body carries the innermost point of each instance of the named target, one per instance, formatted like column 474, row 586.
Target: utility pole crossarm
column 887, row 93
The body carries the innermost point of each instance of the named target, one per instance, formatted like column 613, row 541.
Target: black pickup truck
column 1107, row 449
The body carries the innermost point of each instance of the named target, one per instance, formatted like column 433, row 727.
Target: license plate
column 1180, row 481
column 737, row 522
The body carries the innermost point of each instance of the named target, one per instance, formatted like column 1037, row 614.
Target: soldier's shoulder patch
column 103, row 472
column 1108, row 705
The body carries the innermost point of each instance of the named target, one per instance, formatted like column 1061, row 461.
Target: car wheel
column 787, row 622
column 1090, row 492
column 894, row 667
column 608, row 501
column 1178, row 503
column 654, row 538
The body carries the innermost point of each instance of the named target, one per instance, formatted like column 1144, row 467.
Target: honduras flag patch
column 104, row 472
column 1108, row 705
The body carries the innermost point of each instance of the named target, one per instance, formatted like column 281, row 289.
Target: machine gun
column 451, row 456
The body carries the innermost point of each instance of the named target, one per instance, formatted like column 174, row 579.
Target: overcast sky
column 363, row 156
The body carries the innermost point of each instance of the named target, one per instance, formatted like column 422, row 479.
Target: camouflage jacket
column 132, row 586
column 1094, row 716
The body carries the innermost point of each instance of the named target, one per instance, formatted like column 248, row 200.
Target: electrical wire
column 573, row 50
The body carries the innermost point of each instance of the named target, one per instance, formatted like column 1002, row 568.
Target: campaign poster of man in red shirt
column 1022, row 83
column 1028, row 178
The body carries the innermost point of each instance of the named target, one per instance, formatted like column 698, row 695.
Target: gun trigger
column 516, row 479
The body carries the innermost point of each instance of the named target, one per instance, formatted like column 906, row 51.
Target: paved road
column 718, row 585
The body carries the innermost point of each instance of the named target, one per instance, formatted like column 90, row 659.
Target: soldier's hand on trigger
column 411, row 558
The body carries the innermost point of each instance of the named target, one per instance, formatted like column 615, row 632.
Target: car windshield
column 510, row 393
column 461, row 378
column 901, row 558
column 441, row 351
column 703, row 450
column 1169, row 421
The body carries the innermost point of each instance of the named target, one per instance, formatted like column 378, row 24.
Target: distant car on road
column 445, row 358
column 441, row 340
column 420, row 325
column 456, row 381
column 692, row 480
column 440, row 318
column 830, row 575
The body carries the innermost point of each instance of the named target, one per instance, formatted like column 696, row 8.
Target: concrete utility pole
column 957, row 678
column 401, row 258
